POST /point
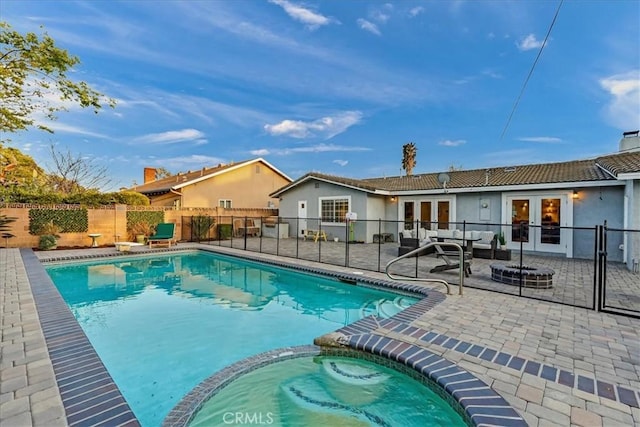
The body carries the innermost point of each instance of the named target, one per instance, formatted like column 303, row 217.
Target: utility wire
column 544, row 43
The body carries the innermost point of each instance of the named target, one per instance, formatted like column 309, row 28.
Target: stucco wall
column 247, row 187
column 468, row 208
column 594, row 207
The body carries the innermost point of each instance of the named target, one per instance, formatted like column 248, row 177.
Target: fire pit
column 532, row 277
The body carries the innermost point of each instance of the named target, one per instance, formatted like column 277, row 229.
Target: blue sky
column 339, row 87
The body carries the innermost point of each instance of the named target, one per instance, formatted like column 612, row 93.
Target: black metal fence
column 587, row 267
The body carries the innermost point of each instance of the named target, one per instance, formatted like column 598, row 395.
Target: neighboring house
column 580, row 193
column 244, row 184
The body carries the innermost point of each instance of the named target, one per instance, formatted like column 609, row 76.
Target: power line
column 544, row 43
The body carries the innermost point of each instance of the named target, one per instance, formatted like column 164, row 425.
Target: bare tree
column 70, row 174
column 409, row 152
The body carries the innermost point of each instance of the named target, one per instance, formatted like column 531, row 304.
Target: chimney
column 149, row 175
column 630, row 141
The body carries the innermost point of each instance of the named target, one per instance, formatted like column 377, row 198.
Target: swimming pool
column 327, row 391
column 162, row 324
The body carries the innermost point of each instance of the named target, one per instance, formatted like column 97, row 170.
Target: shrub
column 200, row 226
column 47, row 242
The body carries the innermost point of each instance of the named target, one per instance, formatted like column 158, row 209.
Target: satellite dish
column 443, row 178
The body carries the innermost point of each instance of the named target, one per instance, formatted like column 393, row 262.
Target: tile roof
column 621, row 163
column 164, row 185
column 604, row 168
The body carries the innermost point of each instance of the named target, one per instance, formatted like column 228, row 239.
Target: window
column 224, row 203
column 334, row 209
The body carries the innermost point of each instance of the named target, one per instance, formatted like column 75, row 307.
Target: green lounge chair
column 163, row 236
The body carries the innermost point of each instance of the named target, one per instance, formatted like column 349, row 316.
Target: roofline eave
column 518, row 187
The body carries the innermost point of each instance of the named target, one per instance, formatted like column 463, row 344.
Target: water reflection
column 223, row 281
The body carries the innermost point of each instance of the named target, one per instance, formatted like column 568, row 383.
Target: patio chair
column 163, row 236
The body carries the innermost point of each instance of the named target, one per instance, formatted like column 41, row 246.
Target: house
column 245, row 184
column 579, row 193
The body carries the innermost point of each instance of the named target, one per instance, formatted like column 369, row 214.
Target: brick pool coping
column 89, row 394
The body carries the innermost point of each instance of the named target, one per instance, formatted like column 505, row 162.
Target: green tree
column 409, row 152
column 19, row 169
column 31, row 69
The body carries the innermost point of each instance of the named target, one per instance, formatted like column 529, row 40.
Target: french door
column 433, row 214
column 536, row 222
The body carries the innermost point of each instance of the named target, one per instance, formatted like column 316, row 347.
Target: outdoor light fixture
column 575, row 194
column 393, row 198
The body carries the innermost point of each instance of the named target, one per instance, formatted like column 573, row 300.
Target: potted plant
column 140, row 231
column 49, row 235
column 502, row 240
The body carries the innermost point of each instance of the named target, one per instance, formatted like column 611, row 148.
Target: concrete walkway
column 557, row 365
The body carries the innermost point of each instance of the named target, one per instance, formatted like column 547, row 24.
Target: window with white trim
column 334, row 209
column 224, row 203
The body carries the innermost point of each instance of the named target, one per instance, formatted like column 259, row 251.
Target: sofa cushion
column 422, row 234
column 478, row 245
column 406, row 234
column 486, row 237
column 445, row 234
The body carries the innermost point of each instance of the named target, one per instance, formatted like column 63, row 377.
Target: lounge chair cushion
column 164, row 234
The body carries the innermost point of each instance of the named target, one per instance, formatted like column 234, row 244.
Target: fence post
column 379, row 241
column 602, row 267
column 596, row 260
column 521, row 233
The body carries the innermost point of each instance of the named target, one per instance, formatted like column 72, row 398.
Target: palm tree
column 409, row 152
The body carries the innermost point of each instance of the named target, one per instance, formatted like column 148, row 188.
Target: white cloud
column 452, row 143
column 623, row 109
column 193, row 162
column 380, row 16
column 368, row 26
column 260, row 152
column 172, row 137
column 311, row 19
column 63, row 128
column 326, row 127
column 416, row 11
column 319, row 148
column 529, row 42
column 542, row 139
column 341, row 162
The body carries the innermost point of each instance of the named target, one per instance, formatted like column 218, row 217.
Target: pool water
column 326, row 391
column 163, row 324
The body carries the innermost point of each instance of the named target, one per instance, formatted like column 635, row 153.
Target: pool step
column 314, row 402
column 352, row 373
column 385, row 308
